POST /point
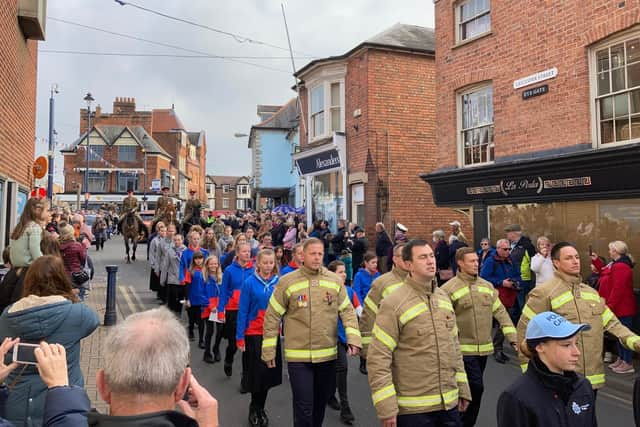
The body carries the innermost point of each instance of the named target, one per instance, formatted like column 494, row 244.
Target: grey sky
column 211, row 94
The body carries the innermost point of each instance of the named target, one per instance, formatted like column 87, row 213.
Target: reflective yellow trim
column 476, row 348
column 383, row 393
column 590, row 296
column 345, row 303
column 484, row 290
column 276, row 305
column 269, row 342
column 561, row 300
column 528, row 313
column 459, row 293
column 596, row 379
column 372, row 306
column 429, row 400
column 524, row 367
column 496, row 305
column 607, row 315
column 296, row 287
column 310, row 354
column 329, row 285
column 631, row 342
column 366, row 340
column 445, row 304
column 450, row 396
column 352, row 331
column 390, row 289
column 413, row 312
column 384, row 338
column 461, row 377
column 508, row 330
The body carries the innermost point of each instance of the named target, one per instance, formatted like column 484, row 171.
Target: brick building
column 229, row 193
column 368, row 130
column 20, row 29
column 130, row 148
column 538, row 114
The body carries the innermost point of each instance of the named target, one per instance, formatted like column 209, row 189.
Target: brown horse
column 169, row 216
column 132, row 228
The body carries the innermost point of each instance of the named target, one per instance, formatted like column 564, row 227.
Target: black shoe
column 264, row 420
column 207, row 358
column 254, row 418
column 201, row 345
column 216, row 355
column 333, row 403
column 500, row 357
column 191, row 336
column 346, row 416
column 228, row 369
column 363, row 366
column 243, row 390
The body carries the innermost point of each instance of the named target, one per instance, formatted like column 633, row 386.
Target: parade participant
column 504, row 275
column 254, row 299
column 232, row 280
column 196, row 296
column 296, row 261
column 187, row 254
column 164, row 247
column 130, row 203
column 306, row 298
column 218, row 228
column 162, row 203
column 366, row 275
column 567, row 296
column 210, row 313
column 416, row 373
column 171, row 274
column 225, row 239
column 154, row 261
column 146, row 375
column 49, row 310
column 550, row 393
column 192, row 209
column 476, row 304
column 253, row 242
column 342, row 364
column 209, row 242
column 381, row 288
column 240, row 238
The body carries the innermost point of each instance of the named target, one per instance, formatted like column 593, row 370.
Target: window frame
column 328, row 108
column 133, row 150
column 225, row 203
column 226, row 188
column 594, row 101
column 240, row 204
column 94, row 156
column 458, row 22
column 126, row 177
column 459, row 130
column 97, row 182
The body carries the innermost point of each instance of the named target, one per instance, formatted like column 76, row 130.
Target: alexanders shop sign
column 325, row 161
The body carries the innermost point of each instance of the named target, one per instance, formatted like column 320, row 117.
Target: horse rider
column 163, row 203
column 130, row 203
column 192, row 209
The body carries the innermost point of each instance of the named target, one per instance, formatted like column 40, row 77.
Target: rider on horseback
column 192, row 209
column 162, row 204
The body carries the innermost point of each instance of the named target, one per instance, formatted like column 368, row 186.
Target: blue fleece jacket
column 185, row 262
column 232, row 280
column 342, row 336
column 254, row 300
column 196, row 289
column 362, row 282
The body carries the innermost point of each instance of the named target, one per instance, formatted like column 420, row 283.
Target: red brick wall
column 526, row 38
column 18, row 68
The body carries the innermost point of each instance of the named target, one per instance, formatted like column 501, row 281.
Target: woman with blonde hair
column 616, row 287
column 541, row 263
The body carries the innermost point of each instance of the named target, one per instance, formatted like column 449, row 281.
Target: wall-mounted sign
column 155, row 185
column 535, row 91
column 327, row 160
column 535, row 78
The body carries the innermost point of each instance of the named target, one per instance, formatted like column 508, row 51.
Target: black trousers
column 342, row 365
column 450, row 418
column 210, row 325
column 498, row 336
column 195, row 319
column 175, row 294
column 474, row 366
column 258, row 401
column 311, row 385
column 229, row 332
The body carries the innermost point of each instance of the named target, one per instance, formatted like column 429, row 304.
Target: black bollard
column 110, row 315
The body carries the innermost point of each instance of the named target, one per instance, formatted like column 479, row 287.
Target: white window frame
column 225, row 203
column 596, row 135
column 242, row 189
column 226, row 188
column 459, row 130
column 327, row 108
column 240, row 204
column 459, row 23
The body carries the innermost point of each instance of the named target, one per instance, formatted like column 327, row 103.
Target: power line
column 165, row 55
column 236, row 37
column 114, row 33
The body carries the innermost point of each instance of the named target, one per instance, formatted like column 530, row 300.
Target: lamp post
column 144, row 188
column 88, row 99
column 52, row 146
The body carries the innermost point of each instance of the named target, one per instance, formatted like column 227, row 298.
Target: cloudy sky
column 217, row 95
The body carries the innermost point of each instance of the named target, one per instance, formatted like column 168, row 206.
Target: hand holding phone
column 23, row 353
column 52, row 364
column 201, row 406
column 6, row 346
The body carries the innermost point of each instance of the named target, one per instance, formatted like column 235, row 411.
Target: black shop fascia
column 544, row 177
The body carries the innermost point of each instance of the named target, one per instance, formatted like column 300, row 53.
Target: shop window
column 127, row 181
column 473, row 18
column 328, row 198
column 617, row 89
column 127, row 153
column 476, row 126
column 97, row 182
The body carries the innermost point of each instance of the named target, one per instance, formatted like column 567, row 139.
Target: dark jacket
column 358, row 250
column 277, row 234
column 453, row 247
column 540, row 398
column 383, row 243
column 74, row 255
column 496, row 270
column 521, row 247
column 156, row 419
column 442, row 255
column 339, row 241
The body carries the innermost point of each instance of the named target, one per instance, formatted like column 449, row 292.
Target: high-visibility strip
column 450, row 396
column 496, row 305
column 329, row 285
column 344, row 304
column 366, row 340
column 596, row 379
column 445, row 304
column 428, row 400
column 269, row 342
column 508, row 330
column 352, row 331
column 528, row 313
column 484, row 290
column 455, row 331
column 476, row 348
column 296, row 287
column 461, row 377
column 276, row 305
column 524, row 367
column 384, row 338
column 383, row 393
column 561, row 300
column 459, row 293
column 607, row 315
column 390, row 289
column 631, row 342
column 413, row 312
column 310, row 354
column 372, row 306
column 590, row 296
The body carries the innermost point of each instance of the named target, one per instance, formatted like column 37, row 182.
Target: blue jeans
column 623, row 352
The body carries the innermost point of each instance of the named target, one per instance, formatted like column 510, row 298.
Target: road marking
column 132, row 308
column 137, row 298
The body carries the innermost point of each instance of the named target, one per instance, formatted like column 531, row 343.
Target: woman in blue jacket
column 49, row 311
column 366, row 275
column 197, row 298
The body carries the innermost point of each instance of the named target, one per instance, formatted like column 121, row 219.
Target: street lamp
column 52, row 146
column 239, row 135
column 144, row 189
column 88, row 99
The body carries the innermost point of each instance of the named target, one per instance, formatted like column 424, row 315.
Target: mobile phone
column 25, row 353
column 590, row 250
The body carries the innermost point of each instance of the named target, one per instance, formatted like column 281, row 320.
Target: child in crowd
column 196, row 296
column 366, row 275
column 345, row 258
column 154, row 258
column 171, row 275
column 210, row 312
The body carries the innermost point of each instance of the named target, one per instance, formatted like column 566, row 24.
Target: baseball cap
column 513, row 227
column 552, row 325
column 456, row 223
column 402, row 228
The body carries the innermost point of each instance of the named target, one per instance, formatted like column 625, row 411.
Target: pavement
column 614, row 400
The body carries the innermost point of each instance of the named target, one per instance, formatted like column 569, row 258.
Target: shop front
column 323, row 170
column 589, row 199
